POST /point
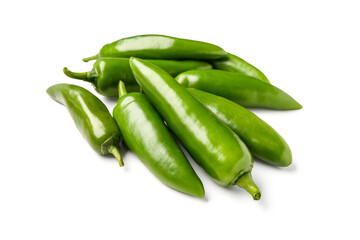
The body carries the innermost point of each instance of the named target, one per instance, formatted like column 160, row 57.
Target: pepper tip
column 246, row 182
column 257, row 196
column 65, row 70
column 115, row 151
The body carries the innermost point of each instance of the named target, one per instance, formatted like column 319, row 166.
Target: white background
column 53, row 186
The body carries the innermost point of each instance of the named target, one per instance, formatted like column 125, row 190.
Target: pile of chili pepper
column 192, row 89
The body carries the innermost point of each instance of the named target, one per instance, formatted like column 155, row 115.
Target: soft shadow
column 263, row 203
column 263, row 110
column 243, row 195
column 123, row 149
column 111, row 99
column 236, row 191
column 291, row 167
column 204, row 199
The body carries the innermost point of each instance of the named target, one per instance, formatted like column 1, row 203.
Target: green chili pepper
column 213, row 145
column 160, row 47
column 107, row 72
column 233, row 63
column 145, row 134
column 91, row 117
column 261, row 139
column 244, row 90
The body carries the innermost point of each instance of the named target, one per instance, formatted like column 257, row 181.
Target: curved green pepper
column 107, row 72
column 244, row 90
column 233, row 63
column 91, row 117
column 145, row 134
column 213, row 145
column 261, row 139
column 160, row 47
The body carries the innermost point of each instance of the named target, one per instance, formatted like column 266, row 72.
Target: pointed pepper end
column 246, row 182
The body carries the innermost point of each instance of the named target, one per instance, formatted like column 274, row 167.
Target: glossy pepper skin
column 261, row 139
column 244, row 90
column 107, row 72
column 160, row 47
column 145, row 134
column 91, row 117
column 213, row 145
column 233, row 63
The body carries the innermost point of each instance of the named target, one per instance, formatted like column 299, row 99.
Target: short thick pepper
column 91, row 117
column 146, row 134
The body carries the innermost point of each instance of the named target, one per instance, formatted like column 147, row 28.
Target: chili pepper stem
column 115, row 151
column 91, row 58
column 81, row 76
column 246, row 182
column 122, row 89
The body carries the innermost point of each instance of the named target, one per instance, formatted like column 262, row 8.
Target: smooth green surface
column 145, row 134
column 213, row 145
column 233, row 63
column 160, row 47
column 261, row 139
column 244, row 90
column 107, row 72
column 91, row 117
